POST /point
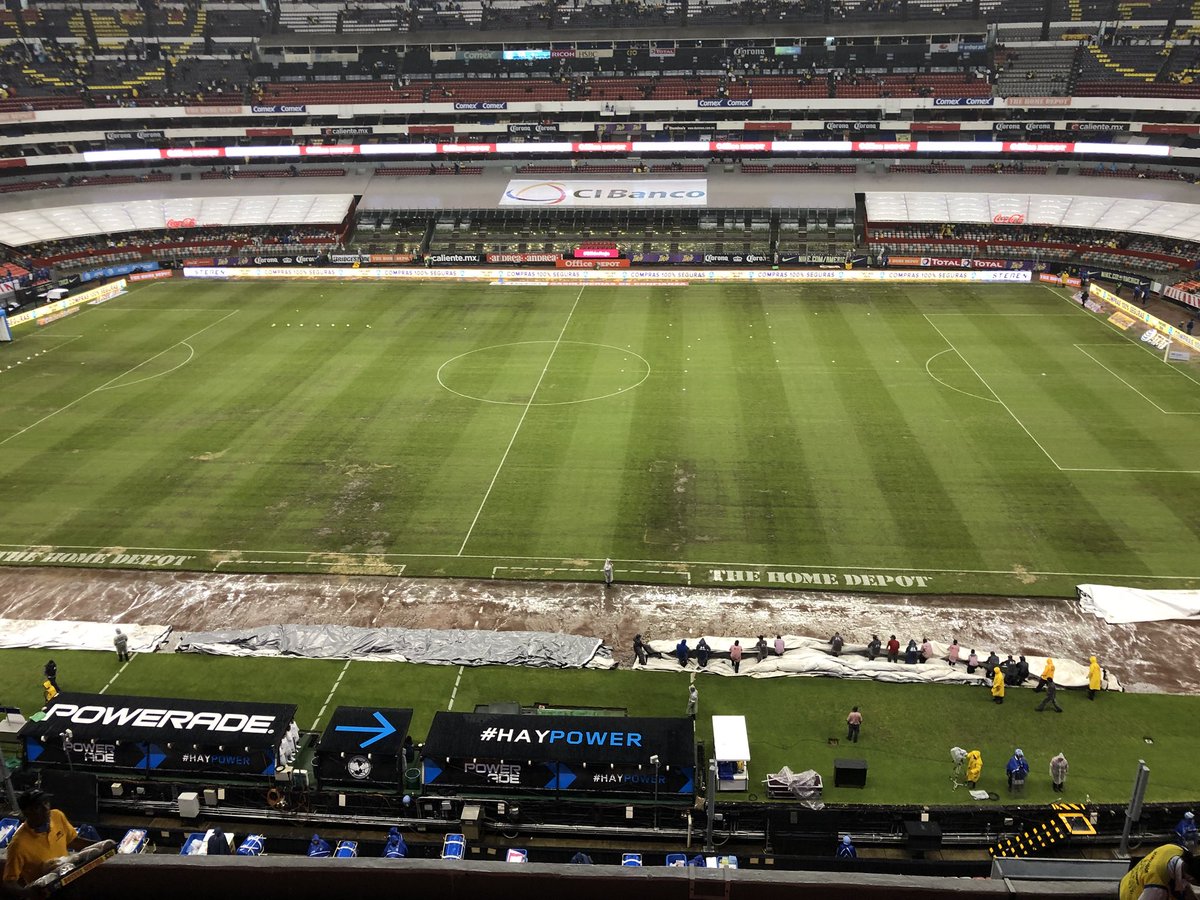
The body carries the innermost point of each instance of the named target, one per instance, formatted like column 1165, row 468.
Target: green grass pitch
column 906, row 739
column 960, row 439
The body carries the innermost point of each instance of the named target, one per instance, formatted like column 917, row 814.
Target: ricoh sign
column 618, row 192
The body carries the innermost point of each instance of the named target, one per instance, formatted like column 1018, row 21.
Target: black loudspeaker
column 850, row 773
column 923, row 835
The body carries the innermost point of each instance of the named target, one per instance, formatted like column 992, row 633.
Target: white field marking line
column 495, row 569
column 1140, row 471
column 525, row 412
column 396, row 569
column 1114, row 329
column 994, row 394
column 118, row 675
column 325, row 705
column 116, row 379
column 952, row 387
column 191, row 356
column 1165, row 412
column 722, row 564
column 454, row 693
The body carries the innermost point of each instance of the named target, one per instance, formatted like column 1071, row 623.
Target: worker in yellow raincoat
column 1047, row 674
column 1095, row 677
column 997, row 685
column 974, row 767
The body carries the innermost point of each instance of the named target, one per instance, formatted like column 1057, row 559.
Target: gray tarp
column 446, row 648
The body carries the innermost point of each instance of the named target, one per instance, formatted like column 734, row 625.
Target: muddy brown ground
column 1161, row 656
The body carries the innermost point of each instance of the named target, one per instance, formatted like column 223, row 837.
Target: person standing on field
column 50, row 670
column 1095, row 677
column 608, row 572
column 853, row 725
column 1051, row 697
column 693, row 700
column 735, row 656
column 1058, row 773
column 997, row 685
column 121, row 642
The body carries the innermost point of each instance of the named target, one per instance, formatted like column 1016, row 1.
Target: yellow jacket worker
column 974, row 767
column 1165, row 873
column 997, row 685
column 44, row 836
column 1095, row 677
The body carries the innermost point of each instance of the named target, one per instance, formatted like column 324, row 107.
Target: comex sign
column 642, row 193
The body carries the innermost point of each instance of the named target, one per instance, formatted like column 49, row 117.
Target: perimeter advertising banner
column 107, row 292
column 363, row 746
column 596, row 754
column 156, row 736
column 633, row 192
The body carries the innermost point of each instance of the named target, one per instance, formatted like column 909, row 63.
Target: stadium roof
column 1159, row 217
column 57, row 222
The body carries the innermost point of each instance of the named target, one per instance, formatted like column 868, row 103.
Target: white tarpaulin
column 1122, row 605
column 632, row 191
column 79, row 635
column 812, row 656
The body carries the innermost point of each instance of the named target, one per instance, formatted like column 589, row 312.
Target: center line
column 521, row 422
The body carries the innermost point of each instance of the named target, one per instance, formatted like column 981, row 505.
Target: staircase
column 1068, row 819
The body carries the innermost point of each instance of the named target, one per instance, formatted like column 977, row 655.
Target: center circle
column 508, row 374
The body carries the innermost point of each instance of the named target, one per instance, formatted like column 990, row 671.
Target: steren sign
column 822, row 579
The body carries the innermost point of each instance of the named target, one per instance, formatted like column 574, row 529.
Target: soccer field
column 979, row 439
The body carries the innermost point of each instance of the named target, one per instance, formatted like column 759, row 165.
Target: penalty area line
column 332, row 691
column 454, row 693
column 115, row 677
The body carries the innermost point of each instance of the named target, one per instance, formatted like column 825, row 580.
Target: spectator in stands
column 761, row 648
column 952, row 653
column 735, row 656
column 703, row 651
column 846, row 849
column 893, row 649
column 873, row 647
column 681, row 651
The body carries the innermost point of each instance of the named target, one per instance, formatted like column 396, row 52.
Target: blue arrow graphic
column 432, row 771
column 153, row 758
column 689, row 773
column 562, row 780
column 385, row 728
column 33, row 749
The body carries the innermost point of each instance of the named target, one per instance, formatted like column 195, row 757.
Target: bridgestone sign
column 597, row 194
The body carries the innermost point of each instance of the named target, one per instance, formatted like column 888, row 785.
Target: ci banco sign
column 615, row 192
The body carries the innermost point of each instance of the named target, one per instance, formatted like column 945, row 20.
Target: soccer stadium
column 683, row 448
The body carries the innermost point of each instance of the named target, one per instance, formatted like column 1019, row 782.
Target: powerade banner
column 115, row 271
column 578, row 753
column 363, row 746
column 632, row 192
column 152, row 735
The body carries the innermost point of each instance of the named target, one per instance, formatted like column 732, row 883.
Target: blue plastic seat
column 454, row 846
column 631, row 859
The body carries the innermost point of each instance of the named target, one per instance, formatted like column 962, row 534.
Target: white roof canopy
column 1158, row 217
column 28, row 226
